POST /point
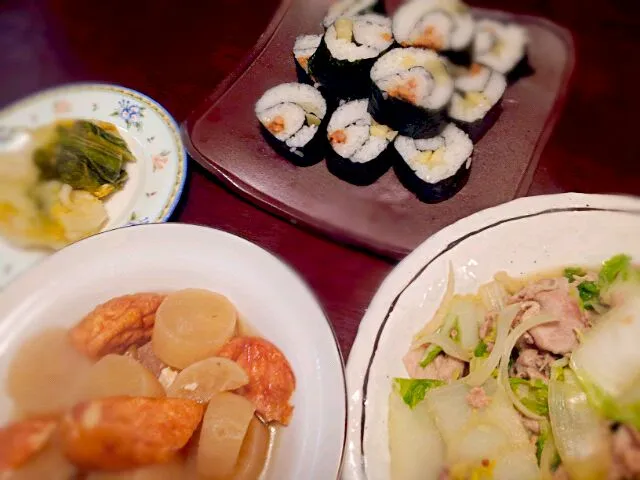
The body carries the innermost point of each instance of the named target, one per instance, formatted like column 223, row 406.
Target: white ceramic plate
column 274, row 300
column 523, row 236
column 155, row 180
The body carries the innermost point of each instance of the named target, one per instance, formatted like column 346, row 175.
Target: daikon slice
column 200, row 381
column 480, row 441
column 415, row 445
column 44, row 374
column 224, row 428
column 192, row 325
column 115, row 375
column 167, row 471
column 253, row 452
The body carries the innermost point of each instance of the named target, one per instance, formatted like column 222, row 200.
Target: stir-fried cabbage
column 415, row 445
column 608, row 363
column 580, row 434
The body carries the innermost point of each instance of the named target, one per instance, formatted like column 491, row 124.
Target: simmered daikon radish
column 44, row 374
column 253, row 452
column 204, row 379
column 224, row 428
column 50, row 464
column 115, row 375
column 192, row 325
column 166, row 471
column 415, row 445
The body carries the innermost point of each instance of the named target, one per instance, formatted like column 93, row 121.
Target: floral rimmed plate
column 524, row 236
column 157, row 177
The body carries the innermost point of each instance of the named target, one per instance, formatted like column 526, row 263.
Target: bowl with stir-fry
column 80, row 159
column 505, row 347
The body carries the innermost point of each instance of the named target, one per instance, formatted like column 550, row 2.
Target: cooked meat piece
column 488, row 325
column 527, row 310
column 443, row 366
column 561, row 474
column 625, row 444
column 116, row 325
column 444, row 474
column 554, row 299
column 147, row 358
column 477, row 398
column 271, row 379
column 20, row 441
column 533, row 426
column 532, row 364
column 119, row 433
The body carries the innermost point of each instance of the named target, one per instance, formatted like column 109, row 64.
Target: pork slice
column 532, row 364
column 553, row 298
column 443, row 367
column 625, row 445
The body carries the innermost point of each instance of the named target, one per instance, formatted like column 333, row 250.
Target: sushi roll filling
column 347, row 8
column 499, row 46
column 434, row 24
column 304, row 48
column 358, row 38
column 477, row 91
column 354, row 135
column 292, row 113
column 415, row 76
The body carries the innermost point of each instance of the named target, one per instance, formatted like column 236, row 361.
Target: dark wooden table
column 177, row 52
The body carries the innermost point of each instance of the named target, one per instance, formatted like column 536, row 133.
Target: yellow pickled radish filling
column 344, row 29
column 431, row 158
column 474, row 99
column 409, row 61
column 382, row 131
column 312, row 119
column 437, row 69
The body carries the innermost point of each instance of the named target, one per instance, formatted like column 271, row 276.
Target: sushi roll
column 350, row 8
column 359, row 146
column 292, row 116
column 442, row 25
column 411, row 91
column 436, row 168
column 304, row 47
column 347, row 51
column 501, row 47
column 477, row 91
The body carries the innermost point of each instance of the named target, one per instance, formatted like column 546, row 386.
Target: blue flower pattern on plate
column 130, row 112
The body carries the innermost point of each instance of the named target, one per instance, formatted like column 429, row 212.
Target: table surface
column 177, row 52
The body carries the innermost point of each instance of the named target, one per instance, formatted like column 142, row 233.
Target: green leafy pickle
column 572, row 272
column 482, row 350
column 589, row 294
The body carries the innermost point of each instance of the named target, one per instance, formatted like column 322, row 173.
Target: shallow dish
column 273, row 299
column 223, row 135
column 155, row 180
column 520, row 237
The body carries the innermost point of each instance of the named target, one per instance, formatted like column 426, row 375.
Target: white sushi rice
column 347, row 8
column 354, row 121
column 424, row 70
column 439, row 24
column 371, row 36
column 304, row 47
column 457, row 154
column 471, row 79
column 289, row 104
column 474, row 101
column 499, row 46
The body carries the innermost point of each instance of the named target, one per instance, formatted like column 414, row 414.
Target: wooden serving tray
column 223, row 135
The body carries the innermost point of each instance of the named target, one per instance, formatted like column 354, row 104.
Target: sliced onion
column 581, row 435
column 493, row 295
column 486, row 367
column 511, row 341
column 441, row 313
column 449, row 347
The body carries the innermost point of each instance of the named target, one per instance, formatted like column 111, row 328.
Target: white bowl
column 163, row 257
column 523, row 236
